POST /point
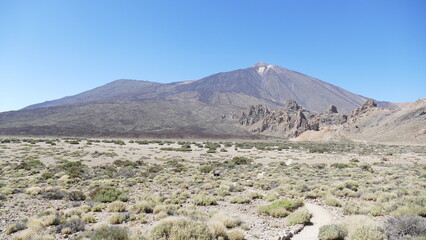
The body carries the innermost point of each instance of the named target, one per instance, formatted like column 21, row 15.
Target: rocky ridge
column 293, row 119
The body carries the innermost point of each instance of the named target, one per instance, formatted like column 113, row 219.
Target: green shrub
column 300, row 216
column 238, row 161
column 47, row 175
column 236, row 234
column 182, row 149
column 110, row 233
column 53, row 194
column 89, row 218
column 206, row 168
column 367, row 167
column 117, row 218
column 98, row 208
column 239, row 200
column 73, row 169
column 72, row 226
column 143, row 207
column 340, row 165
column 30, row 164
column 180, row 229
column 280, row 207
column 255, row 195
column 107, row 194
column 204, row 200
column 332, row 232
column 368, row 233
column 331, row 201
column 15, row 228
column 117, row 206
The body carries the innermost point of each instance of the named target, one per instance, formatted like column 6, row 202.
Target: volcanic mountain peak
column 262, row 67
column 261, row 64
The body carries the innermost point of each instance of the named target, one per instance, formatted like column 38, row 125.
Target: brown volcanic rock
column 365, row 109
column 253, row 115
column 289, row 122
column 329, row 118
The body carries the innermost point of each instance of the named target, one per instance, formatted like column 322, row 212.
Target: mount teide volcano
column 207, row 107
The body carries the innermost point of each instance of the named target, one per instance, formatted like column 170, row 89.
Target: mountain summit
column 201, row 107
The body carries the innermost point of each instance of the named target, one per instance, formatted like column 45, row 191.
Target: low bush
column 117, row 218
column 30, row 164
column 15, row 228
column 238, row 161
column 143, row 207
column 89, row 218
column 73, row 169
column 53, row 194
column 300, row 216
column 72, row 226
column 107, row 194
column 239, row 200
column 280, row 208
column 47, row 175
column 204, row 200
column 332, row 232
column 206, row 168
column 403, row 226
column 76, row 196
column 368, row 233
column 117, row 206
column 226, row 220
column 98, row 208
column 333, row 202
column 236, row 234
column 179, row 229
column 110, row 233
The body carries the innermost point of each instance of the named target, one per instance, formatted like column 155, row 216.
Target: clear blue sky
column 51, row 49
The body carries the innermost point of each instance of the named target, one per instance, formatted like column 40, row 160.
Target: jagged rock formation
column 254, row 114
column 367, row 107
column 293, row 120
column 289, row 122
column 329, row 118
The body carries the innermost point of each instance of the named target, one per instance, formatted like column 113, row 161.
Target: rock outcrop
column 367, row 122
column 293, row 119
column 289, row 122
column 253, row 115
column 329, row 117
column 367, row 107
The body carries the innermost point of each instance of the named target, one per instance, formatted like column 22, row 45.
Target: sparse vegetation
column 70, row 190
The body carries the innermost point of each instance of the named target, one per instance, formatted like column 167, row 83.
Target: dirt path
column 320, row 217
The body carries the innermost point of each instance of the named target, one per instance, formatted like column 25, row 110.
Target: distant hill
column 208, row 107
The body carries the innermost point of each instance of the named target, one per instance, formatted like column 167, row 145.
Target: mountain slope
column 114, row 91
column 267, row 83
column 208, row 106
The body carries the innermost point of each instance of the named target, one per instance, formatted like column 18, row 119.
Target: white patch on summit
column 260, row 70
column 262, row 67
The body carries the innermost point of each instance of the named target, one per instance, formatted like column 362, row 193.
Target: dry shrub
column 405, row 226
column 178, row 228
